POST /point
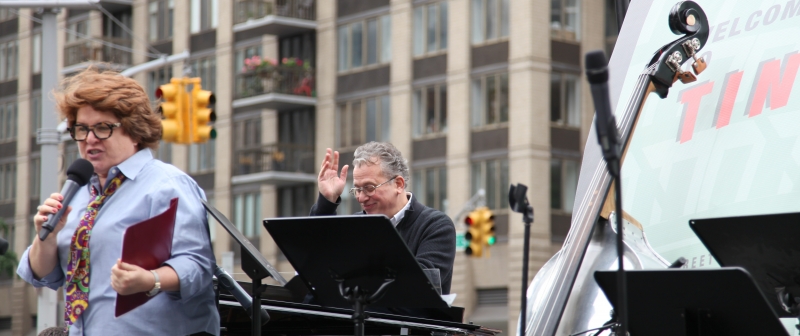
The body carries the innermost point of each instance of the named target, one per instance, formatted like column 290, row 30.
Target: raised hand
column 330, row 182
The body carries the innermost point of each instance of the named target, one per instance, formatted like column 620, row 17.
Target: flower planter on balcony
column 275, row 86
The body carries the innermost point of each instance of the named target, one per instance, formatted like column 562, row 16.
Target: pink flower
column 299, row 62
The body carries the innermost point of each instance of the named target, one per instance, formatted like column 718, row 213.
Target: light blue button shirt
column 146, row 192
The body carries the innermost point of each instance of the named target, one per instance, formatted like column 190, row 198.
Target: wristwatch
column 157, row 288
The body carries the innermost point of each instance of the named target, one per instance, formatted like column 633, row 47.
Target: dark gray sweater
column 428, row 233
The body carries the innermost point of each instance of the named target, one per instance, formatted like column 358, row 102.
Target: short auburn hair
column 108, row 91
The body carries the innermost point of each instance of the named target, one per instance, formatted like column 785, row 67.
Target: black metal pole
column 622, row 295
column 256, row 320
column 525, row 250
column 359, row 316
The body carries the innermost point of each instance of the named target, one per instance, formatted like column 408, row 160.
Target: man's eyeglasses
column 369, row 189
column 101, row 131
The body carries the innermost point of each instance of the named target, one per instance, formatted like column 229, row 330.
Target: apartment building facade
column 477, row 94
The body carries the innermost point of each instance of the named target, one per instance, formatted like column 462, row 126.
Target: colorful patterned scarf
column 78, row 268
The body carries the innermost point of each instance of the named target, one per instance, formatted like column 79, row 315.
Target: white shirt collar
column 402, row 213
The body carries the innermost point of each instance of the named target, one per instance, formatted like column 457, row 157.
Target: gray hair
column 391, row 160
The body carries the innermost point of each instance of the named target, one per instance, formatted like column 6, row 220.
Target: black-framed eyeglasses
column 101, row 131
column 369, row 189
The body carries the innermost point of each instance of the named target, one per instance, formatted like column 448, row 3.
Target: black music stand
column 766, row 246
column 253, row 263
column 354, row 261
column 693, row 302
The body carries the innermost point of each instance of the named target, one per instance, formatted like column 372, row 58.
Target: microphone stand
column 608, row 138
column 519, row 203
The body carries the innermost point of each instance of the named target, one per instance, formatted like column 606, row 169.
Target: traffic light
column 202, row 113
column 486, row 226
column 173, row 111
column 473, row 236
column 480, row 231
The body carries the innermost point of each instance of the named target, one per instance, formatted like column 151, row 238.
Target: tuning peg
column 699, row 65
column 691, row 47
column 685, row 77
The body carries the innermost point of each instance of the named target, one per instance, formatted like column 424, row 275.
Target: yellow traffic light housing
column 486, row 225
column 202, row 113
column 480, row 231
column 173, row 111
column 473, row 236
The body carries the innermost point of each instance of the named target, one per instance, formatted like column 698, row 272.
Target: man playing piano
column 380, row 178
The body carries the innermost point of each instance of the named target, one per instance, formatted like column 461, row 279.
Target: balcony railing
column 286, row 80
column 256, row 9
column 85, row 51
column 280, row 157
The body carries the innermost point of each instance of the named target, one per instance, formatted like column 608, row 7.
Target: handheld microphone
column 605, row 122
column 3, row 246
column 78, row 175
column 226, row 281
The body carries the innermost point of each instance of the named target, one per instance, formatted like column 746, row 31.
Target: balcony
column 280, row 164
column 78, row 54
column 278, row 17
column 279, row 87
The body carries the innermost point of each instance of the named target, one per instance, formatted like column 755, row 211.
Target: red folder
column 147, row 244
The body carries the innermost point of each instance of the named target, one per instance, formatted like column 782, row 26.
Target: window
column 612, row 29
column 7, row 14
column 155, row 79
column 492, row 177
column 70, row 154
column 204, row 15
column 365, row 43
column 160, row 19
column 297, row 200
column 490, row 100
column 243, row 54
column 300, row 47
column 430, row 28
column 163, row 152
column 247, row 146
column 8, row 182
column 36, row 50
column 489, row 20
column 429, row 110
column 8, row 60
column 35, row 177
column 201, row 157
column 8, row 121
column 247, row 213
column 430, row 187
column 206, row 69
column 79, row 26
column 563, row 184
column 36, row 112
column 363, row 120
column 565, row 19
column 565, row 100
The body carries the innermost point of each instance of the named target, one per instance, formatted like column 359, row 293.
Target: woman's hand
column 50, row 207
column 127, row 279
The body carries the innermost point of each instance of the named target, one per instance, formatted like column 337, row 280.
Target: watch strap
column 157, row 287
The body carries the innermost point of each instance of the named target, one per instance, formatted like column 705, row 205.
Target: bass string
column 599, row 177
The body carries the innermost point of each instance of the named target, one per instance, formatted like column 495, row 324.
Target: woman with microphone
column 112, row 120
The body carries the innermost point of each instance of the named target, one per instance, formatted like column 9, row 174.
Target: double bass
column 563, row 298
